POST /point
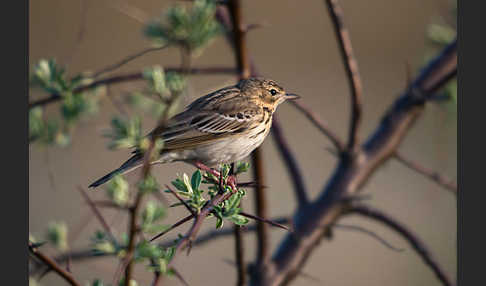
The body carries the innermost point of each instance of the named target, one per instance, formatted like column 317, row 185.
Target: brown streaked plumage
column 222, row 127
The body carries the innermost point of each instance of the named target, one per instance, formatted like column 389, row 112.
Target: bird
column 221, row 127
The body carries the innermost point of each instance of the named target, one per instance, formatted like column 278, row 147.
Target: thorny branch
column 51, row 264
column 428, row 173
column 353, row 172
column 320, row 124
column 414, row 241
column 351, row 67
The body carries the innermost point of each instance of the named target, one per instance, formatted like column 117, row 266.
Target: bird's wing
column 201, row 125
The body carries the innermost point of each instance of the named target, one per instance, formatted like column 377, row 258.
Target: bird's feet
column 230, row 180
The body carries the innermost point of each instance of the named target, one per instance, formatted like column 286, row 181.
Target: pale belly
column 228, row 150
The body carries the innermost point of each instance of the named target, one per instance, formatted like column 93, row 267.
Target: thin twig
column 81, row 31
column 351, row 67
column 370, row 233
column 131, row 77
column 127, row 60
column 131, row 11
column 98, row 214
column 180, row 222
column 188, row 207
column 428, row 173
column 210, row 236
column 53, row 265
column 414, row 241
column 179, row 276
column 270, row 222
column 239, row 255
column 320, row 124
column 290, row 163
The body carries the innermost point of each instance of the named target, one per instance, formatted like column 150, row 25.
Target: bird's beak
column 291, row 96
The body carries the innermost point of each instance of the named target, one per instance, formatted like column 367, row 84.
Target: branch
column 351, row 175
column 194, row 230
column 127, row 60
column 270, row 222
column 351, row 67
column 131, row 77
column 180, row 222
column 414, row 241
column 53, row 265
column 181, row 200
column 320, row 124
column 239, row 255
column 81, row 255
column 370, row 233
column 98, row 214
column 428, row 173
column 290, row 163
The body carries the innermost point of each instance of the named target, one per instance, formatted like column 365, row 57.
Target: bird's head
column 266, row 91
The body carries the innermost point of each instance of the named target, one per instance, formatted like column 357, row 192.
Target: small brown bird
column 222, row 127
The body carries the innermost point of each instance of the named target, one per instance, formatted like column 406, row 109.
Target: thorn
column 189, row 246
column 247, row 28
column 270, row 222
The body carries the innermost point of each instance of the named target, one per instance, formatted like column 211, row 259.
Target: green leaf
column 242, row 167
column 148, row 185
column 187, row 184
column 152, row 212
column 105, row 247
column 179, row 184
column 239, row 219
column 196, row 180
column 97, row 282
column 117, row 190
column 145, row 249
column 191, row 28
column 57, row 234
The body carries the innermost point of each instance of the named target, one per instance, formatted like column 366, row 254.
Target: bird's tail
column 131, row 164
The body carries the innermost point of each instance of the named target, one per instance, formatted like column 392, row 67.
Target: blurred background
column 298, row 49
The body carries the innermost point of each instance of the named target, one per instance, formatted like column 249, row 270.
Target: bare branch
column 407, row 234
column 98, row 214
column 320, row 124
column 370, row 233
column 239, row 255
column 428, row 173
column 193, row 213
column 351, row 67
column 180, row 222
column 131, row 11
column 350, row 175
column 53, row 265
column 290, row 163
column 127, row 60
column 270, row 222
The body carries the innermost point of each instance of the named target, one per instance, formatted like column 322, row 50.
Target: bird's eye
column 273, row 91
